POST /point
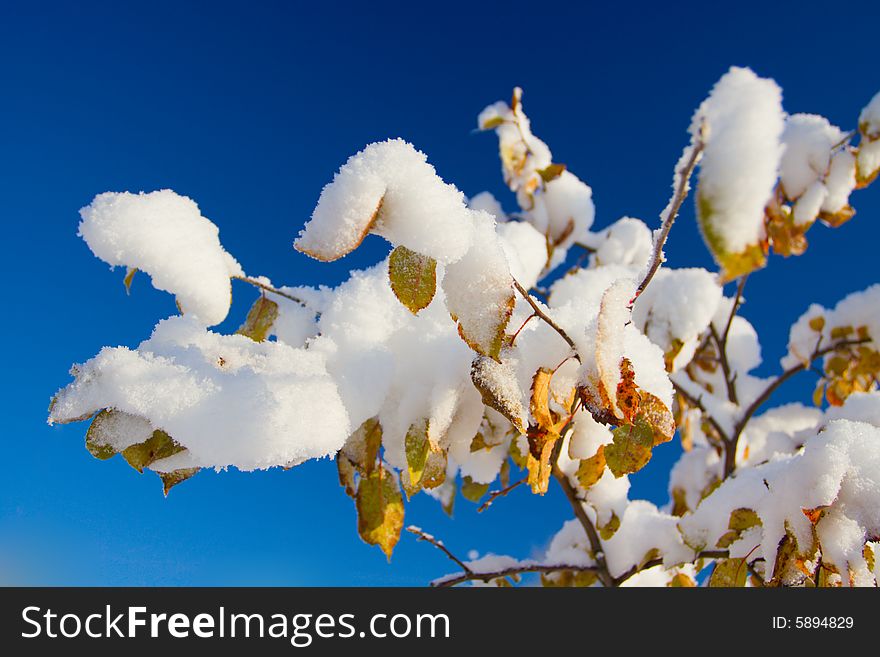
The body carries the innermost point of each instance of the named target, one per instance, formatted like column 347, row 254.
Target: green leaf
column 417, row 447
column 380, row 509
column 159, row 446
column 129, row 276
column 471, row 490
column 94, row 442
column 260, row 319
column 631, row 448
column 551, row 172
column 413, row 278
column 171, row 479
column 362, row 447
column 608, row 530
column 729, row 573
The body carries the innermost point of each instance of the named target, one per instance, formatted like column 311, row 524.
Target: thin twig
column 683, row 174
column 269, row 288
column 437, row 543
column 697, row 403
column 495, row 494
column 449, row 581
column 737, row 302
column 725, row 365
column 540, row 313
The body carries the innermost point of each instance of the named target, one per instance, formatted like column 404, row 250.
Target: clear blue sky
column 249, row 108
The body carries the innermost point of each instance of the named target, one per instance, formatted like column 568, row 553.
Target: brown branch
column 449, row 581
column 540, row 313
column 592, row 535
column 706, row 554
column 697, row 403
column 730, row 455
column 495, row 494
column 725, row 365
column 422, row 536
column 269, row 288
column 737, row 302
column 671, row 212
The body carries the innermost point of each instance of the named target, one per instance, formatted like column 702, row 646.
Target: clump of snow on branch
column 166, row 236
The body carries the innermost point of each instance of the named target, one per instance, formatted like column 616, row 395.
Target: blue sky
column 249, row 108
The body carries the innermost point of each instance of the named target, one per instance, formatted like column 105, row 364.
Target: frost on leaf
column 413, row 278
column 499, row 388
column 740, row 124
column 479, row 291
column 260, row 319
column 380, row 509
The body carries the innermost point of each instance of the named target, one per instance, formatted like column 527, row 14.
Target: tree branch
column 730, row 455
column 422, row 536
column 495, row 494
column 269, row 288
column 697, row 403
column 527, row 567
column 683, row 171
column 540, row 313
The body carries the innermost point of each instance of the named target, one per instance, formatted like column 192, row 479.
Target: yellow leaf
column 590, row 470
column 413, row 278
column 494, row 122
column 733, row 265
column 551, row 172
column 380, row 509
column 539, row 463
column 729, row 573
column 680, row 580
column 539, row 404
column 129, row 277
column 260, row 319
column 607, row 530
column 362, row 447
column 416, row 445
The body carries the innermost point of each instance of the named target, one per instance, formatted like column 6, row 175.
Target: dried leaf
column 551, row 172
column 413, row 278
column 346, row 472
column 380, row 509
column 627, row 394
column 260, row 319
column 129, row 277
column 539, row 403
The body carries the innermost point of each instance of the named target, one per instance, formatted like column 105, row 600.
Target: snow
column 487, row 202
column 869, row 119
column 838, row 468
column 840, row 181
column 388, row 189
column 743, row 121
column 808, row 141
column 868, row 159
column 525, row 249
column 229, row 400
column 625, row 242
column 569, row 205
column 166, row 236
column 479, row 288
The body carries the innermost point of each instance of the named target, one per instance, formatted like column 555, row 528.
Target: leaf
column 608, row 530
column 733, row 265
column 413, row 278
column 346, row 472
column 171, row 479
column 129, row 277
column 551, row 172
column 159, row 446
column 539, row 464
column 416, row 445
column 539, row 403
column 498, row 388
column 740, row 520
column 471, row 490
column 680, row 580
column 590, row 470
column 260, row 318
column 494, row 122
column 362, row 446
column 631, row 448
column 96, row 446
column 729, row 573
column 655, row 413
column 569, row 578
column 627, row 393
column 380, row 509
column 344, row 244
